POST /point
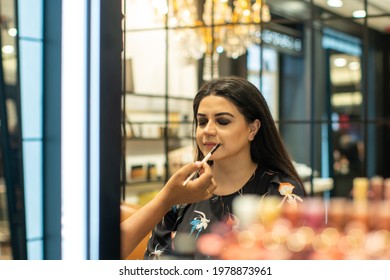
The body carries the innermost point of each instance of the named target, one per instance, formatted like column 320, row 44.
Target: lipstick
column 206, row 158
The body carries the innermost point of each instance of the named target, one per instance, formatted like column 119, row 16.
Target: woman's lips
column 208, row 146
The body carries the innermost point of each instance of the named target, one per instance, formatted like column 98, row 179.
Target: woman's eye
column 202, row 122
column 223, row 121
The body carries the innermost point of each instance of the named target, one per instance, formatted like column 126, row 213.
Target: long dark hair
column 267, row 148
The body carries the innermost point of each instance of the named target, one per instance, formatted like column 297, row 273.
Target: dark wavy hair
column 267, row 148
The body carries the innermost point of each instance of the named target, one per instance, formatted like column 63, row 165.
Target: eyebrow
column 217, row 115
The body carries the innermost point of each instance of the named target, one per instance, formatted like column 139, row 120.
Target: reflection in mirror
column 11, row 187
column 8, row 66
column 5, row 249
column 346, row 102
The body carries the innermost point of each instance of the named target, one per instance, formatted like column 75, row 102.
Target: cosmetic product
column 338, row 212
column 206, row 158
column 269, row 211
column 314, row 212
column 360, row 188
column 293, row 214
column 137, row 173
column 376, row 188
column 386, row 189
column 383, row 217
column 245, row 208
column 211, row 244
column 185, row 245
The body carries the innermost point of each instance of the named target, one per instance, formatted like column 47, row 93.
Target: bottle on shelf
column 376, row 188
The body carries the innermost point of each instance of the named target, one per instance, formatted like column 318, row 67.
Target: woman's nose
column 210, row 128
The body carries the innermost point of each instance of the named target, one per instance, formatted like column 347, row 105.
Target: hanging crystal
column 222, row 28
column 207, row 69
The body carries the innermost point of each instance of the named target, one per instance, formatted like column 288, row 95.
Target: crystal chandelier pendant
column 207, row 69
column 265, row 13
column 222, row 28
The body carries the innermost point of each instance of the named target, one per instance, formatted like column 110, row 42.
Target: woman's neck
column 231, row 176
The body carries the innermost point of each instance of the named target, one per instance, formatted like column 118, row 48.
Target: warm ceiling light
column 340, row 62
column 359, row 14
column 12, row 32
column 354, row 65
column 334, row 3
column 7, row 49
column 347, row 99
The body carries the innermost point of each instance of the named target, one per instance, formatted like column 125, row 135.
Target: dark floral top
column 192, row 220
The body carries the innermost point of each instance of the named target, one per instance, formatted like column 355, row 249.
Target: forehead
column 215, row 104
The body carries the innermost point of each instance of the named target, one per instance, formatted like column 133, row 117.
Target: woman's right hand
column 200, row 188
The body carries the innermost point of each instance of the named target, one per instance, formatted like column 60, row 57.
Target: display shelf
column 142, row 186
column 153, row 145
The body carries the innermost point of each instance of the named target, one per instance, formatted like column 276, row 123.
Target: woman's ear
column 253, row 129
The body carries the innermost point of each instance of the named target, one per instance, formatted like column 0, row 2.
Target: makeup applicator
column 206, row 158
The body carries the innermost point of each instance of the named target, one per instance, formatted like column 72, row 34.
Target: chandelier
column 222, row 28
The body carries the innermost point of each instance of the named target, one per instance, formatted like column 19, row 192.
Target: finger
column 188, row 169
column 191, row 167
column 210, row 192
column 205, row 167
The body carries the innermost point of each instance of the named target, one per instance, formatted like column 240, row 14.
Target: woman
column 251, row 159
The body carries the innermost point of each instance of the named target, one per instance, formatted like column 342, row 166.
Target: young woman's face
column 219, row 121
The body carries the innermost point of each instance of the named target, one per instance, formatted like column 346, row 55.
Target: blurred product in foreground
column 333, row 229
